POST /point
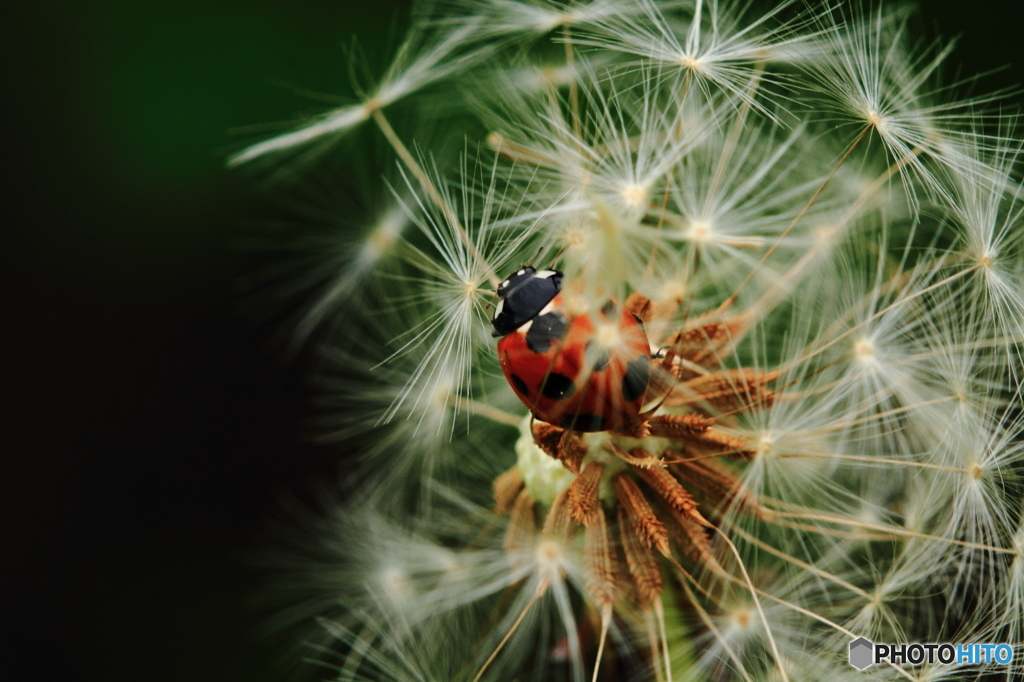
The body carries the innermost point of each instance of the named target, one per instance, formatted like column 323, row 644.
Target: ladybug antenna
column 527, row 263
column 557, row 256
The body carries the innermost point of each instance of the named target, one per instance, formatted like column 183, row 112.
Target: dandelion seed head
column 975, row 471
column 825, row 235
column 575, row 237
column 742, row 618
column 823, row 245
column 699, row 231
column 550, row 555
column 559, row 20
column 868, row 518
column 635, row 196
column 394, row 582
column 673, row 289
column 611, row 465
column 382, row 239
column 441, row 393
column 608, row 336
column 876, row 120
column 864, row 351
column 689, row 62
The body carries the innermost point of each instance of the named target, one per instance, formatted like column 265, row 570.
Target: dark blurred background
column 149, row 429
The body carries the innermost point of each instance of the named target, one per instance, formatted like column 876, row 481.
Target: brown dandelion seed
column 558, row 523
column 584, row 500
column 717, row 442
column 506, row 489
column 642, row 519
column 522, row 526
column 670, row 490
column 731, row 390
column 641, row 306
column 714, row 480
column 704, row 345
column 642, row 564
column 599, row 567
column 677, row 426
column 654, row 314
column 691, row 535
column 662, row 381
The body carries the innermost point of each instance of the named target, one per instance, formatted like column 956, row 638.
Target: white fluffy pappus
column 821, row 243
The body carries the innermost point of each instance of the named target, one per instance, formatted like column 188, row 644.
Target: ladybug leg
column 661, row 384
column 545, row 436
column 571, row 451
column 635, row 428
column 561, row 444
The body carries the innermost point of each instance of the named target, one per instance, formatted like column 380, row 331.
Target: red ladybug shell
column 569, row 377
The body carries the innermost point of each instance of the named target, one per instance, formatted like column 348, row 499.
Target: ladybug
column 586, row 372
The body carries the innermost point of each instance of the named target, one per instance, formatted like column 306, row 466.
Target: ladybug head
column 524, row 294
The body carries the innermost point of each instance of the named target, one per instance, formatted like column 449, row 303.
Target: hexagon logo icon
column 861, row 653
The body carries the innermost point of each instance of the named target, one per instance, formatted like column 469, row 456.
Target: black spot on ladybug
column 558, row 386
column 609, row 309
column 634, row 384
column 584, row 422
column 601, row 357
column 520, row 384
column 545, row 330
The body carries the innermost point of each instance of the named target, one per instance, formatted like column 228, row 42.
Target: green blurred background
column 149, row 431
